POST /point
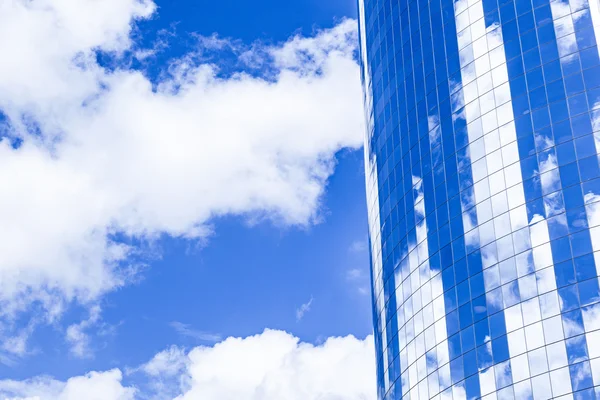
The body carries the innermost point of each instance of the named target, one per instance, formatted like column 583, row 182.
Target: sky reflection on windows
column 483, row 190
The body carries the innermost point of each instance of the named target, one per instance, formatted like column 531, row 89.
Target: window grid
column 483, row 188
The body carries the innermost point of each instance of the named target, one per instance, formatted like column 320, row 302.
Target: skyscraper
column 483, row 189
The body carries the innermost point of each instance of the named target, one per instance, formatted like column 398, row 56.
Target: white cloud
column 106, row 152
column 93, row 386
column 303, row 309
column 273, row 365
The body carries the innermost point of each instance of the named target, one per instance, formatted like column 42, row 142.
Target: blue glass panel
column 480, row 138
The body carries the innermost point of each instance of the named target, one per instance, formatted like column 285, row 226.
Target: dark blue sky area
column 251, row 20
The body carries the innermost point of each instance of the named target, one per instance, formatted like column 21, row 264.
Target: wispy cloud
column 303, row 309
column 359, row 246
column 187, row 331
column 16, row 346
column 359, row 277
column 354, row 274
column 77, row 336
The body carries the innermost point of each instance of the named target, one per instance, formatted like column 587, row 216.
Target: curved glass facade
column 483, row 189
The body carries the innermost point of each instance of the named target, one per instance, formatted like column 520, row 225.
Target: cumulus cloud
column 273, row 365
column 276, row 365
column 93, row 386
column 106, row 153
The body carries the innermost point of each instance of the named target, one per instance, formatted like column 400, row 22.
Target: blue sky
column 249, row 21
column 243, row 280
column 203, row 208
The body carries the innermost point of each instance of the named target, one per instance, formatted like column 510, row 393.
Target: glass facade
column 483, row 189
